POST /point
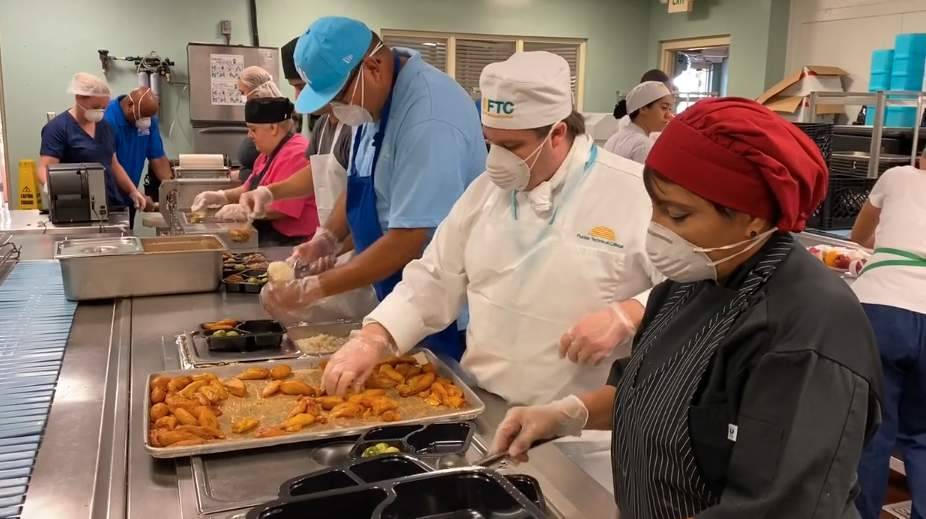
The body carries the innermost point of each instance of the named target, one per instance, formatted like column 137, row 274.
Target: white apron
column 328, row 176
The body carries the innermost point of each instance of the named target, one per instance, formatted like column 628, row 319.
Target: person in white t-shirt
column 650, row 107
column 892, row 289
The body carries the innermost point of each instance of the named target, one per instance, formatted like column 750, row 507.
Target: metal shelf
column 880, row 100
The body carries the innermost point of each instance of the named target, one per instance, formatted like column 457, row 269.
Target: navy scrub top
column 64, row 139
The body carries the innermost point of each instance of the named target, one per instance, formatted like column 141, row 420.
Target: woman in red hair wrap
column 753, row 383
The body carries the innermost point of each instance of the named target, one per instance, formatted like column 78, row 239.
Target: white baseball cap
column 645, row 93
column 528, row 90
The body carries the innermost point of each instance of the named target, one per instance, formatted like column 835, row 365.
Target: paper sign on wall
column 224, row 70
column 681, row 6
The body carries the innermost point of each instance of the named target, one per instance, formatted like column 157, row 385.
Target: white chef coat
column 530, row 265
column 631, row 142
column 899, row 193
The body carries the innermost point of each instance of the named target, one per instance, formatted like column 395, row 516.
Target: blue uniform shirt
column 432, row 150
column 133, row 149
column 65, row 140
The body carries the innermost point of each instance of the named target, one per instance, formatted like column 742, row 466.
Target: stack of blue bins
column 907, row 74
column 882, row 62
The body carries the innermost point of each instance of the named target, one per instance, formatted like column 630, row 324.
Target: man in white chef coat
column 554, row 230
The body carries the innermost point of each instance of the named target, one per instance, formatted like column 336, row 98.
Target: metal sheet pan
column 476, row 408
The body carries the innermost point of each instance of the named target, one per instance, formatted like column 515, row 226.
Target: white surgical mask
column 94, row 115
column 350, row 114
column 509, row 171
column 684, row 262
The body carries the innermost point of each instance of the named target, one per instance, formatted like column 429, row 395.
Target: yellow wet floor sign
column 29, row 197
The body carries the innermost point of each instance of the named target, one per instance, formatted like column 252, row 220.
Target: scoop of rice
column 280, row 271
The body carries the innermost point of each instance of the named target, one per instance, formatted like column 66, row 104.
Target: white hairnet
column 84, row 84
column 259, row 83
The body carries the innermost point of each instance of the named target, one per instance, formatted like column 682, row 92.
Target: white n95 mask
column 94, row 115
column 684, row 262
column 509, row 171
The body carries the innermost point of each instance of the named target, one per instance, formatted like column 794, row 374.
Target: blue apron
column 365, row 229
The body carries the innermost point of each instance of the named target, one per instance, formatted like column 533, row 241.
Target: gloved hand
column 208, row 199
column 257, row 201
column 233, row 213
column 318, row 254
column 597, row 335
column 354, row 362
column 138, row 199
column 287, row 300
column 523, row 426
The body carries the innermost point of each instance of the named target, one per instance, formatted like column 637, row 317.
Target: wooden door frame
column 668, row 48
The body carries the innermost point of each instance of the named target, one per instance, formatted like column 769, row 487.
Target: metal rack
column 880, row 100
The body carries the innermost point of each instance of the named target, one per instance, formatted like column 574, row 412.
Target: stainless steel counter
column 93, row 463
column 35, row 235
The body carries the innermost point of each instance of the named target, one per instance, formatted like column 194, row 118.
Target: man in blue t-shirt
column 417, row 145
column 137, row 134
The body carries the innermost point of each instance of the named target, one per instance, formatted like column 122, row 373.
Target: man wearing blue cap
column 417, row 146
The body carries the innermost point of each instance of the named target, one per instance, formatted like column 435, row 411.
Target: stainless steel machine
column 77, row 193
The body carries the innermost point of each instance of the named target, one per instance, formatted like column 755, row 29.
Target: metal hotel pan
column 125, row 267
column 476, row 407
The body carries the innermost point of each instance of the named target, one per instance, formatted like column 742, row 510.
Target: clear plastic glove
column 208, row 199
column 285, row 301
column 233, row 213
column 257, row 201
column 352, row 365
column 138, row 199
column 318, row 254
column 597, row 335
column 523, row 426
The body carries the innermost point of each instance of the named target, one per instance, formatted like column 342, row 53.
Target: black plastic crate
column 822, row 136
column 855, row 163
column 844, row 200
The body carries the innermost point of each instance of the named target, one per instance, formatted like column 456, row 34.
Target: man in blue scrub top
column 137, row 134
column 417, row 146
column 80, row 135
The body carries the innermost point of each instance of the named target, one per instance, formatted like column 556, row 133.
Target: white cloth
column 529, row 278
column 899, row 193
column 631, row 143
column 328, row 176
column 527, row 90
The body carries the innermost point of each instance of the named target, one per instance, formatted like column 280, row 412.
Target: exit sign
column 681, row 6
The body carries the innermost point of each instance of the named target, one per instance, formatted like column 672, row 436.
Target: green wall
column 614, row 28
column 758, row 31
column 44, row 42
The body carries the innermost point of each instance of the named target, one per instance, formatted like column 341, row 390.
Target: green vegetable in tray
column 221, row 333
column 239, row 267
column 232, row 333
column 378, row 450
column 252, row 280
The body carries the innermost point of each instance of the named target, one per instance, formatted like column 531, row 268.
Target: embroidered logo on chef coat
column 603, row 235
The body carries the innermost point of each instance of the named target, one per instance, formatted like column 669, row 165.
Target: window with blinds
column 463, row 56
column 568, row 51
column 473, row 55
column 433, row 49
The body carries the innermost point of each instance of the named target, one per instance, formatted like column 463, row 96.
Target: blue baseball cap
column 326, row 54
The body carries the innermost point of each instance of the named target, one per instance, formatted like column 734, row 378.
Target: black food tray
column 245, row 286
column 436, row 439
column 252, row 336
column 358, row 490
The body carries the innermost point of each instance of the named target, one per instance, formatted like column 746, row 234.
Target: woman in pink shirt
column 282, row 154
